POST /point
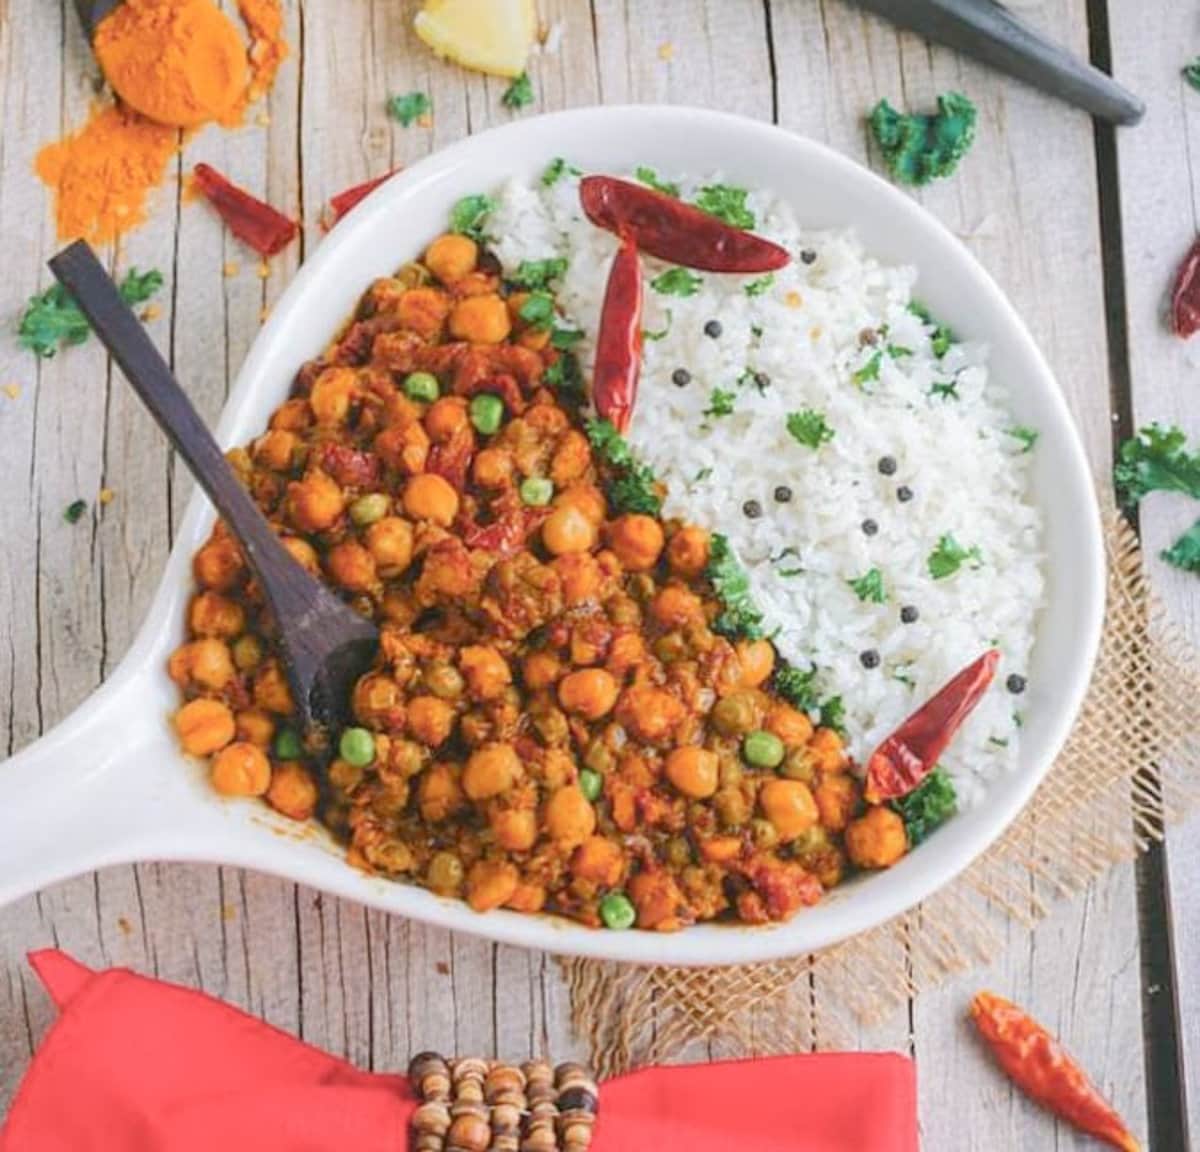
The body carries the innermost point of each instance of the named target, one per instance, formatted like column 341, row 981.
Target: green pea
column 763, row 749
column 421, row 386
column 617, row 911
column 357, row 747
column 486, row 413
column 369, row 508
column 537, row 490
column 288, row 745
column 247, row 652
column 590, row 783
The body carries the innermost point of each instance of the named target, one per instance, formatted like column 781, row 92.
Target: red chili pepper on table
column 619, row 341
column 910, row 753
column 344, row 201
column 1040, row 1066
column 674, row 231
column 1185, row 295
column 265, row 229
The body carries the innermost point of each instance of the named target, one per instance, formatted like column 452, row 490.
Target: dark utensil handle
column 120, row 331
column 91, row 12
column 989, row 32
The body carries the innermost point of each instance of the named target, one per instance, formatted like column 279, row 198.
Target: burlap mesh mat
column 1129, row 768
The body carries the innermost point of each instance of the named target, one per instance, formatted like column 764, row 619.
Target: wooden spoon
column 91, row 12
column 326, row 644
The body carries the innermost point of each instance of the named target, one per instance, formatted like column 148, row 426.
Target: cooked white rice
column 968, row 476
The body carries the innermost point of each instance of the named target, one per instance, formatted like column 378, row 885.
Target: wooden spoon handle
column 91, row 12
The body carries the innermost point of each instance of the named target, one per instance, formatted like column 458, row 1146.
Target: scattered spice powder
column 793, row 299
column 666, row 51
column 268, row 48
column 263, row 270
column 151, row 312
column 124, row 926
column 106, row 496
column 230, row 269
column 12, row 391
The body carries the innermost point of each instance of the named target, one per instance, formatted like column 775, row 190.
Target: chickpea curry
column 557, row 718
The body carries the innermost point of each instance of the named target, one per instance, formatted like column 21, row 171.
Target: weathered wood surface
column 374, row 988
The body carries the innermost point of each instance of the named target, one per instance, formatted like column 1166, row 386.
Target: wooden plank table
column 1079, row 225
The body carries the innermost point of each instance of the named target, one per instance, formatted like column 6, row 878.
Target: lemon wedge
column 487, row 35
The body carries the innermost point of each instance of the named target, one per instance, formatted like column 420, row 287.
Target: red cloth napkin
column 134, row 1065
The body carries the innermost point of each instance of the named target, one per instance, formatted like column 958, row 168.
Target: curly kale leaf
column 1185, row 552
column 1156, row 460
column 919, row 148
column 739, row 616
column 928, row 807
column 632, row 486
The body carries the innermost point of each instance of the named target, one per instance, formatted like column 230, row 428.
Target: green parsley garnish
column 650, row 178
column 647, row 334
column 869, row 371
column 833, row 714
column 928, row 806
column 53, row 320
column 556, row 170
column 946, row 389
column 941, row 337
column 759, row 286
column 536, row 275
column 949, row 556
column 632, row 486
column 869, row 586
column 895, row 351
column 1191, row 73
column 519, row 93
column 1026, row 435
column 470, row 214
column 74, row 511
column 1156, row 460
column 739, row 616
column 566, row 377
column 409, row 108
column 676, row 282
column 808, row 427
column 538, row 310
column 565, row 338
column 1185, row 552
column 703, row 474
column 720, row 403
column 725, row 203
column 919, row 148
column 797, row 688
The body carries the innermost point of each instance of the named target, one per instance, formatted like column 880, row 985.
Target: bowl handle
column 83, row 796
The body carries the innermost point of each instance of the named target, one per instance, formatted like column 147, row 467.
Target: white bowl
column 109, row 785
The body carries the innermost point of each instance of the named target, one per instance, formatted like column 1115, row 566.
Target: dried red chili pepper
column 451, row 459
column 1040, row 1066
column 1185, row 295
column 675, row 231
column 910, row 753
column 265, row 229
column 508, row 534
column 619, row 340
column 344, row 201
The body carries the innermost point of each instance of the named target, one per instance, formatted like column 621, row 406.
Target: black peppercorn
column 753, row 509
column 1015, row 684
column 783, row 494
column 808, row 256
column 909, row 614
column 762, row 381
column 887, row 465
column 904, row 493
column 681, row 377
column 869, row 527
column 869, row 658
column 713, row 328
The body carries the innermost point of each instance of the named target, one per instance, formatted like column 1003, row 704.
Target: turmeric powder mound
column 268, row 48
column 102, row 174
column 179, row 62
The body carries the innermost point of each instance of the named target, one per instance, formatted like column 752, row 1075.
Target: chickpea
column 429, row 497
column 378, row 699
column 600, row 861
column 271, row 690
column 206, row 663
column 877, row 839
column 491, row 770
column 276, row 450
column 580, row 576
column 541, row 669
column 405, row 758
column 637, row 540
column 404, row 448
column 316, row 502
column 791, row 725
column 218, row 564
column 204, row 727
column 693, row 770
column 303, row 553
column 571, row 459
column 570, row 818
column 798, row 765
column 241, row 770
column 445, row 874
column 423, row 311
column 446, row 417
column 247, row 652
column 731, row 806
column 587, row 498
column 737, row 714
column 688, row 551
column 657, row 899
column 491, row 883
column 515, row 829
column 293, row 791
column 439, row 794
column 590, row 693
column 789, row 805
column 492, row 468
column 211, row 614
column 430, row 720
column 648, row 713
column 332, row 393
column 344, row 776
column 351, row 566
column 676, row 606
column 547, row 418
column 477, row 284
column 528, row 897
column 568, row 530
column 255, row 726
column 627, row 651
column 487, row 672
column 827, row 752
column 481, row 320
column 390, row 542
column 757, row 661
column 451, row 256
column 837, row 799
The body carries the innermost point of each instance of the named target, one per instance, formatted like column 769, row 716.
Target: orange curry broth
column 554, row 717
